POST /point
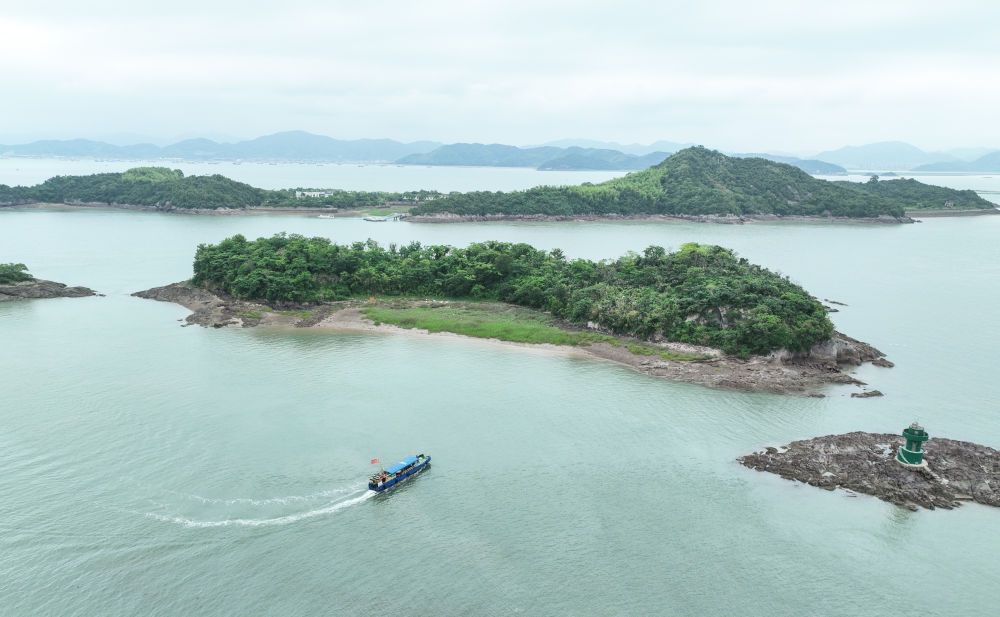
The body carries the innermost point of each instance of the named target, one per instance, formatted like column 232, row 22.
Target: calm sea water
column 150, row 469
column 28, row 171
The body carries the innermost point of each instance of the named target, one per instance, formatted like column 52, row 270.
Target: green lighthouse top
column 915, row 433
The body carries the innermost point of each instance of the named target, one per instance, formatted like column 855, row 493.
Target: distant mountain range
column 901, row 156
column 566, row 154
column 290, row 146
column 988, row 163
column 636, row 149
column 549, row 158
column 810, row 166
column 542, row 157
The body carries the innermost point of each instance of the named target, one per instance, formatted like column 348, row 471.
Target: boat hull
column 391, row 482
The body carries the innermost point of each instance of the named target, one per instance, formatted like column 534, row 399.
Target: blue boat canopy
column 401, row 464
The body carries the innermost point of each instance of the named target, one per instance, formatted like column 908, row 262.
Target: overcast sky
column 743, row 75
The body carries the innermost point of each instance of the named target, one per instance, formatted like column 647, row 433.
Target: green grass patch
column 301, row 314
column 497, row 321
column 252, row 315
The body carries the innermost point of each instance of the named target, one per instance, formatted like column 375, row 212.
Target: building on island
column 911, row 454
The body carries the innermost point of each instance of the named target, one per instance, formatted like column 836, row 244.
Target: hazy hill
column 637, row 149
column 810, row 166
column 483, row 155
column 970, row 154
column 885, row 155
column 290, row 145
column 548, row 158
column 988, row 163
column 577, row 158
column 698, row 181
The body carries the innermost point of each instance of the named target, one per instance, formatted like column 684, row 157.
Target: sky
column 795, row 77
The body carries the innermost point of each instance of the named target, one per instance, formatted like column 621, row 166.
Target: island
column 909, row 469
column 700, row 314
column 694, row 184
column 16, row 283
column 701, row 184
column 169, row 190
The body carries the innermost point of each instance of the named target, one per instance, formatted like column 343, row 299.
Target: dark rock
column 37, row 288
column 866, row 394
column 865, row 463
column 883, row 363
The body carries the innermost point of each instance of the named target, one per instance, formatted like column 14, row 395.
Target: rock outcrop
column 956, row 471
column 38, row 288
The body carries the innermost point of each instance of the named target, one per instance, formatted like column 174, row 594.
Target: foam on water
column 270, row 500
column 265, row 522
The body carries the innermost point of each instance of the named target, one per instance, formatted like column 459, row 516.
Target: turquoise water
column 150, row 469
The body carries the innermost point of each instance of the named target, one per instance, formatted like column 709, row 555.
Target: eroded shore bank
column 956, row 471
column 781, row 372
column 38, row 288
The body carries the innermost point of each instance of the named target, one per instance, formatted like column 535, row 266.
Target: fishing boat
column 400, row 472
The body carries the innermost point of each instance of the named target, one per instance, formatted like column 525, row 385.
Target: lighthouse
column 912, row 454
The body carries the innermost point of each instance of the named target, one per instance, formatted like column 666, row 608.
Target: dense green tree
column 14, row 273
column 699, row 294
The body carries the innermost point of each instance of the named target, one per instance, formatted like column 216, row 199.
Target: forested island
column 695, row 183
column 700, row 304
column 16, row 283
column 170, row 189
column 699, row 182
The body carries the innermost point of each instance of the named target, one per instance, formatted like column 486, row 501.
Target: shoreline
column 779, row 373
column 912, row 216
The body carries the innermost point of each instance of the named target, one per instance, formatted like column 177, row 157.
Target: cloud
column 737, row 75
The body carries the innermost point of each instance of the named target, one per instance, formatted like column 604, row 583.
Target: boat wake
column 269, row 500
column 287, row 519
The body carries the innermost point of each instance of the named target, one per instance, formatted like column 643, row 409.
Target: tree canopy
column 14, row 273
column 160, row 187
column 700, row 294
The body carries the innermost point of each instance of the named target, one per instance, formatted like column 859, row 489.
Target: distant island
column 702, row 182
column 169, row 189
column 300, row 146
column 547, row 158
column 988, row 163
column 16, row 283
column 700, row 314
column 696, row 183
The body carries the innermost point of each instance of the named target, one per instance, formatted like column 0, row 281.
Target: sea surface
column 347, row 176
column 152, row 469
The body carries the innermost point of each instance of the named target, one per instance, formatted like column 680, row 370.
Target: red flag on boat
column 374, row 461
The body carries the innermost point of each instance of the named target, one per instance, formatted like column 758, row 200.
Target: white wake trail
column 265, row 522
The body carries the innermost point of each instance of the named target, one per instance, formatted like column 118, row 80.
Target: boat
column 400, row 472
column 376, row 219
